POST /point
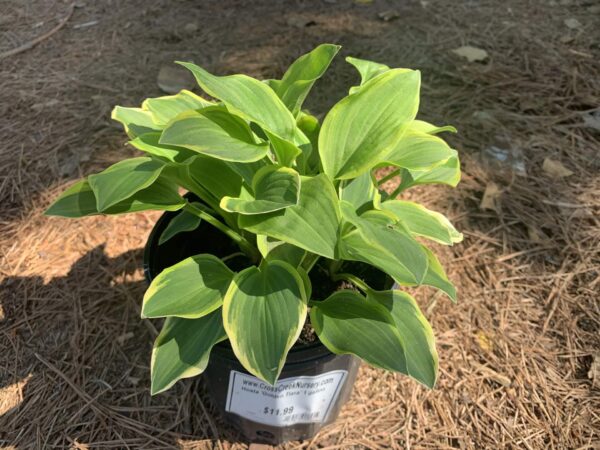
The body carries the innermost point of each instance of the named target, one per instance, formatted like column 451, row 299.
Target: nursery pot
column 312, row 387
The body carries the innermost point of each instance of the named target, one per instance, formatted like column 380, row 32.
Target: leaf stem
column 309, row 261
column 352, row 279
column 243, row 243
column 389, row 176
column 395, row 193
column 334, row 266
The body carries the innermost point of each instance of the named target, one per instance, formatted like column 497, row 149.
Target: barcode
column 302, row 416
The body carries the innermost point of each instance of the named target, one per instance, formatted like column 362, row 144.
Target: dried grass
column 515, row 351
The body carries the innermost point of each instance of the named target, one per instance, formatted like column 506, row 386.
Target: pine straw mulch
column 517, row 351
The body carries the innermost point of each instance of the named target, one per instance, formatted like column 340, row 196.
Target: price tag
column 290, row 401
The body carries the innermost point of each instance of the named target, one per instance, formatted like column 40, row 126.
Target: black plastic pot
column 312, row 387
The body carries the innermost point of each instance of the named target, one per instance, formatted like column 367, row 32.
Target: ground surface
column 516, row 353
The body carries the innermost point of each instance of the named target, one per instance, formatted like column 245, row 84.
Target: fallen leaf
column 11, row 395
column 484, row 341
column 172, row 79
column 555, row 169
column 573, row 23
column 472, row 54
column 388, row 16
column 491, row 195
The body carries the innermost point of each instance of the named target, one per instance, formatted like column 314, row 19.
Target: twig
column 39, row 39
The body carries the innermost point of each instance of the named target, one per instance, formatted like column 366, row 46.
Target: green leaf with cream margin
column 184, row 221
column 417, row 150
column 285, row 151
column 367, row 70
column 273, row 249
column 123, row 179
column 436, row 276
column 361, row 191
column 312, row 224
column 182, row 349
column 166, row 108
column 150, row 143
column 377, row 240
column 249, row 98
column 429, row 128
column 302, row 74
column 415, row 332
column 346, row 322
column 79, row 201
column 274, row 188
column 190, row 289
column 135, row 121
column 363, row 127
column 394, row 333
column 263, row 314
column 421, row 221
column 447, row 173
column 196, row 131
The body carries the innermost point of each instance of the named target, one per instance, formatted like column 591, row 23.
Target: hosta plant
column 297, row 196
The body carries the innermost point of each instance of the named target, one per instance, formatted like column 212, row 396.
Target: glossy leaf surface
column 415, row 333
column 191, row 288
column 384, row 245
column 421, row 221
column 166, row 108
column 302, row 74
column 123, row 179
column 312, row 224
column 253, row 100
column 417, row 150
column 182, row 222
column 197, row 132
column 274, row 188
column 263, row 313
column 346, row 322
column 362, row 128
column 182, row 349
column 135, row 121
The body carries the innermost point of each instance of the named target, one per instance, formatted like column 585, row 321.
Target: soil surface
column 519, row 353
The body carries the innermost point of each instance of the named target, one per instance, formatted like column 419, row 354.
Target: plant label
column 290, row 401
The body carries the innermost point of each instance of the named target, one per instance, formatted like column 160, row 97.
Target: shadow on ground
column 91, row 349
